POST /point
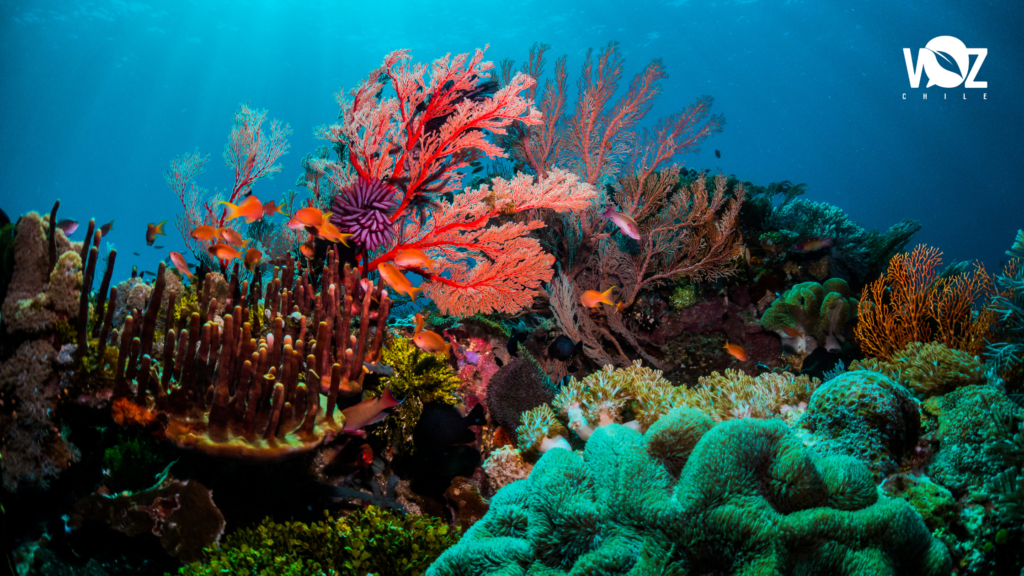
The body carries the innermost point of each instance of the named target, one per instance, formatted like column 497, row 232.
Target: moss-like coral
column 931, row 369
column 419, row 377
column 865, row 415
column 749, row 500
column 132, row 464
column 684, row 296
column 370, row 541
column 810, row 315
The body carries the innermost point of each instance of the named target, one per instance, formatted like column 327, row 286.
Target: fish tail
column 606, row 296
column 388, row 399
column 232, row 210
column 414, row 293
column 608, row 212
column 160, row 228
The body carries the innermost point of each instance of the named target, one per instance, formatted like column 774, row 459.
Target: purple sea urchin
column 362, row 208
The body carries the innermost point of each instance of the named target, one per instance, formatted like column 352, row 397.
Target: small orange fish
column 414, row 258
column 152, row 230
column 252, row 259
column 369, row 411
column 307, row 249
column 620, row 307
column 179, row 262
column 328, row 231
column 397, row 281
column 592, row 298
column 269, row 209
column 624, row 221
column 223, row 252
column 736, row 351
column 792, row 332
column 306, row 217
column 204, row 233
column 251, row 209
column 429, row 341
column 231, row 237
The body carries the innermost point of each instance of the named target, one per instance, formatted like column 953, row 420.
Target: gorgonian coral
column 363, row 209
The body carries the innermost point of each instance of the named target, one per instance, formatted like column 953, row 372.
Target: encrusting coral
column 749, row 499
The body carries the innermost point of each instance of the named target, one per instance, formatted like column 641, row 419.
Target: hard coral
column 749, row 499
column 865, row 415
column 28, row 306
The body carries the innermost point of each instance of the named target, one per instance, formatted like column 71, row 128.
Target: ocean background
column 97, row 97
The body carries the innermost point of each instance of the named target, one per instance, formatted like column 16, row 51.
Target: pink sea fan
column 363, row 209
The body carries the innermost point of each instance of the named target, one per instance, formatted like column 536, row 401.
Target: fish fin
column 389, row 399
column 414, row 293
column 160, row 228
column 476, row 416
column 608, row 212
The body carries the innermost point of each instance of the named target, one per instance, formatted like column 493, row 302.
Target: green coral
column 419, row 377
column 810, row 315
column 749, row 499
column 684, row 296
column 738, row 395
column 928, row 370
column 133, row 464
column 370, row 541
column 865, row 415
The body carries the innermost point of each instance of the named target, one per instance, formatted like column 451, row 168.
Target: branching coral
column 911, row 303
column 749, row 499
column 418, row 141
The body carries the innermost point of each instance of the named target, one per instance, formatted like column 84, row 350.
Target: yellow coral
column 738, row 395
column 928, row 369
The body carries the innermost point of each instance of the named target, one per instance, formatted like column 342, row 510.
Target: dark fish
column 441, row 427
column 515, row 341
column 563, row 348
column 153, row 274
column 152, row 230
column 158, row 247
column 68, row 226
column 378, row 369
column 477, row 169
column 136, row 253
column 718, row 154
column 106, row 228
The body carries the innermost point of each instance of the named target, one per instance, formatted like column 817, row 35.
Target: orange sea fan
column 912, row 303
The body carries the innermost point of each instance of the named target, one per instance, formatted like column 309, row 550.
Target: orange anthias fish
column 328, row 231
column 223, row 252
column 792, row 332
column 269, row 209
column 592, row 298
column 736, row 351
column 252, row 259
column 231, row 237
column 624, row 221
column 414, row 258
column 307, row 249
column 369, row 411
column 306, row 217
column 811, row 245
column 203, row 233
column 179, row 262
column 397, row 281
column 427, row 340
column 251, row 209
column 152, row 230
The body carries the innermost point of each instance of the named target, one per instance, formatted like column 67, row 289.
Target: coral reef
column 738, row 395
column 504, row 466
column 749, row 499
column 516, row 388
column 865, row 415
column 31, row 303
column 370, row 541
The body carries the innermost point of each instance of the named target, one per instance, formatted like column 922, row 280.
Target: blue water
column 96, row 98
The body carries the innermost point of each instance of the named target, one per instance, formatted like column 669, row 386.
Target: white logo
column 955, row 55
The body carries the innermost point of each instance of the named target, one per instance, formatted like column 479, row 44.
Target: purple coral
column 362, row 208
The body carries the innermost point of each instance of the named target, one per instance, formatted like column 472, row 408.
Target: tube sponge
column 749, row 499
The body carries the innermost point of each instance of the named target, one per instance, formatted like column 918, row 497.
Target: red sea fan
column 363, row 209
